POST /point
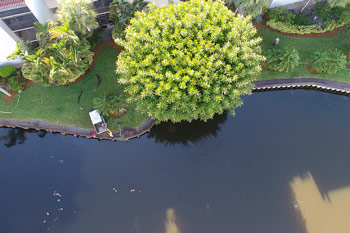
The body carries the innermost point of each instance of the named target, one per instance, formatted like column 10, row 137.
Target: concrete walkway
column 307, row 82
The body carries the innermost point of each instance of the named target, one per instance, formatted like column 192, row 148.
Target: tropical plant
column 60, row 58
column 282, row 60
column 189, row 60
column 95, row 36
column 340, row 3
column 109, row 104
column 7, row 71
column 252, row 7
column 329, row 62
column 121, row 11
column 15, row 84
column 78, row 14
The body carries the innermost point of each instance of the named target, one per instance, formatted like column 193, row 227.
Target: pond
column 280, row 165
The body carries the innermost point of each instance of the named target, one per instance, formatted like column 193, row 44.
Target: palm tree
column 252, row 7
column 121, row 13
column 79, row 14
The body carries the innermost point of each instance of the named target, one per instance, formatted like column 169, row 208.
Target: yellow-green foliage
column 189, row 61
column 290, row 28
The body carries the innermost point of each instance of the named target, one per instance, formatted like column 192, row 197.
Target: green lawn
column 59, row 104
column 306, row 47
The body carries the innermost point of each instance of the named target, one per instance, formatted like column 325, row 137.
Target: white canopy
column 95, row 117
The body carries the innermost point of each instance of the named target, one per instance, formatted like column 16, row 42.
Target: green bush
column 279, row 14
column 7, row 71
column 112, row 103
column 282, row 60
column 314, row 28
column 95, row 36
column 15, row 84
column 329, row 62
column 301, row 20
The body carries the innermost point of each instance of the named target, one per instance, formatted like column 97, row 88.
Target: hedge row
column 308, row 29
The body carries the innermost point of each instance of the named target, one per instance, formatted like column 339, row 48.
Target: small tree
column 60, row 58
column 328, row 62
column 282, row 59
column 189, row 61
column 79, row 14
column 121, row 13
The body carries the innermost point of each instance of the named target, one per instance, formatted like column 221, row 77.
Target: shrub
column 189, row 60
column 7, row 71
column 94, row 37
column 301, row 20
column 328, row 62
column 282, row 59
column 116, row 103
column 314, row 28
column 100, row 103
column 15, row 84
column 112, row 103
column 280, row 14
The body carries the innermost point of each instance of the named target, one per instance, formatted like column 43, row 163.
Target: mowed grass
column 59, row 104
column 306, row 46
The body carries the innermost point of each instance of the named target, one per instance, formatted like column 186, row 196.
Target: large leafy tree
column 121, row 12
column 189, row 61
column 79, row 14
column 252, row 7
column 60, row 58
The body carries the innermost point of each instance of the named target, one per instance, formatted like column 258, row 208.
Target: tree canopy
column 78, row 14
column 60, row 58
column 189, row 61
column 252, row 7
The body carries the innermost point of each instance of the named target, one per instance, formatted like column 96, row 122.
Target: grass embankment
column 306, row 46
column 59, row 104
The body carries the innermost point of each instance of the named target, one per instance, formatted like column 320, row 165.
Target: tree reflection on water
column 18, row 136
column 170, row 133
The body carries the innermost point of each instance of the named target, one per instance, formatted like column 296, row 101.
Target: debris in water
column 61, row 161
column 44, row 221
column 115, row 190
column 132, row 190
column 60, row 209
column 58, row 200
column 55, row 193
column 47, row 213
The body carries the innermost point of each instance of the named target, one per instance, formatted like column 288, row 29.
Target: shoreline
column 38, row 125
column 128, row 133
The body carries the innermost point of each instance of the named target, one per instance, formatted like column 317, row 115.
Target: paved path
column 308, row 82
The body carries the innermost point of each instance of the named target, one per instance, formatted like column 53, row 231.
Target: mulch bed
column 116, row 115
column 313, row 35
column 309, row 68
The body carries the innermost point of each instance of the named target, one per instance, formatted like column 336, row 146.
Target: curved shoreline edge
column 302, row 83
column 124, row 135
column 127, row 133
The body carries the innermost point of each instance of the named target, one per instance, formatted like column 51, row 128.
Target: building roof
column 10, row 3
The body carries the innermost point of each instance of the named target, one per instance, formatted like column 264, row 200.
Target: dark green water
column 230, row 175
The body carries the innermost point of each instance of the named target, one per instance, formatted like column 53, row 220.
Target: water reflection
column 170, row 224
column 170, row 133
column 18, row 136
column 322, row 214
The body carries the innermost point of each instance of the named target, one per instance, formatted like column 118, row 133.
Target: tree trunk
column 5, row 92
column 305, row 5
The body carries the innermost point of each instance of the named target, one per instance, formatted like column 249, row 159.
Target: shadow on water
column 18, row 136
column 170, row 133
